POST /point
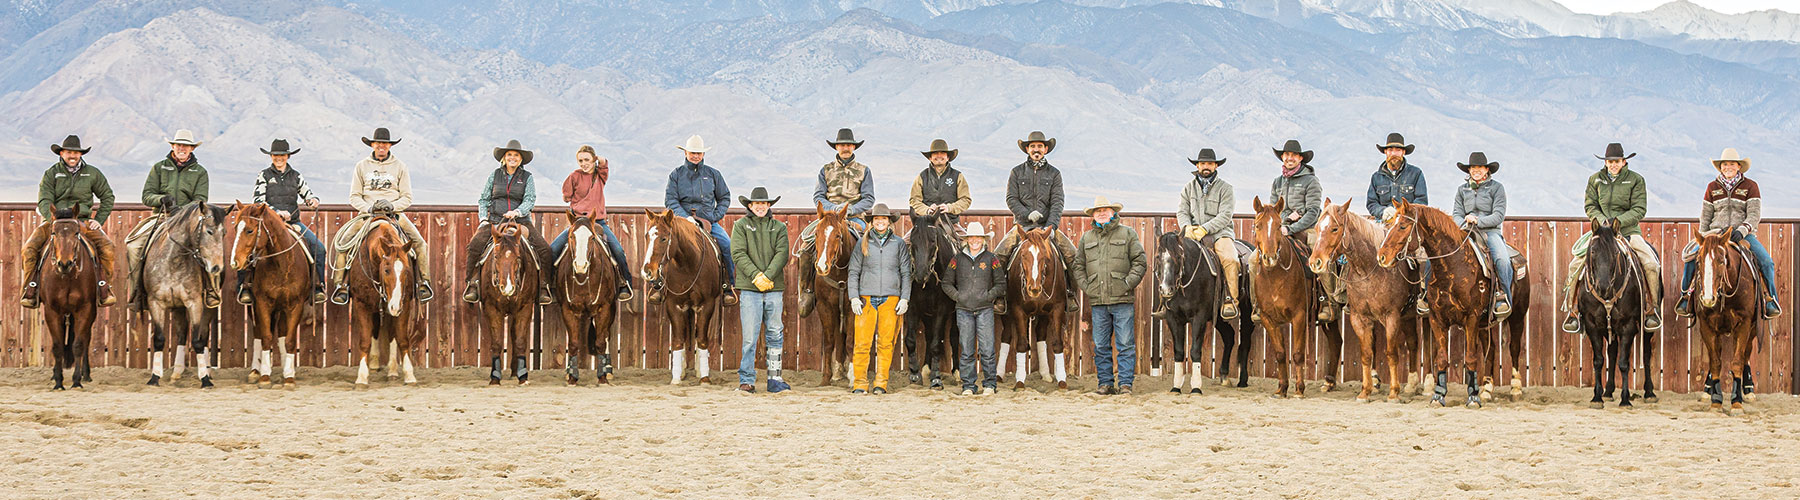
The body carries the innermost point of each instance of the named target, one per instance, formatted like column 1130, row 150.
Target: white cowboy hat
column 694, row 145
column 1101, row 202
column 976, row 229
column 1731, row 154
column 183, row 136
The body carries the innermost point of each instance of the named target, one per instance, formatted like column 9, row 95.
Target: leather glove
column 763, row 284
column 1035, row 216
column 901, row 307
column 856, row 306
column 382, row 206
column 1195, row 233
column 168, row 204
column 1469, row 220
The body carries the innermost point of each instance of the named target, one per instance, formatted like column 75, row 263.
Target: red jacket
column 585, row 192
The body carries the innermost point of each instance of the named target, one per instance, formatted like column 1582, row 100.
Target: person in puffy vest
column 509, row 196
column 283, row 189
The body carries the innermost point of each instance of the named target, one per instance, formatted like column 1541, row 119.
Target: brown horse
column 1460, row 296
column 1285, row 291
column 509, row 283
column 1726, row 306
column 1380, row 307
column 684, row 258
column 587, row 278
column 834, row 243
column 281, row 302
column 69, row 285
column 383, row 308
column 1034, row 292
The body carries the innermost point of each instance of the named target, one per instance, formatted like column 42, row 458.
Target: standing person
column 283, row 189
column 1397, row 179
column 380, row 186
column 1206, row 209
column 976, row 280
column 1034, row 194
column 1617, row 192
column 1481, row 206
column 175, row 181
column 509, row 196
column 1733, row 203
column 761, row 253
column 1305, row 201
column 697, row 192
column 939, row 188
column 1109, row 265
column 843, row 181
column 585, row 192
column 74, row 187
column 879, row 286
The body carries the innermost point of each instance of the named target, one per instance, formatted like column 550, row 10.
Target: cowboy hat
column 1615, row 151
column 184, row 137
column 1101, row 202
column 380, row 135
column 70, row 143
column 1206, row 155
column 881, row 210
column 279, row 147
column 1394, row 140
column 1038, row 136
column 1479, row 158
column 976, row 229
column 939, row 146
column 845, row 136
column 513, row 145
column 759, row 194
column 1293, row 146
column 694, row 145
column 1730, row 154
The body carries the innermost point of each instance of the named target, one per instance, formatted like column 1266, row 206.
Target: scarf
column 1730, row 183
column 192, row 159
column 845, row 162
column 1038, row 165
column 1206, row 180
column 1290, row 173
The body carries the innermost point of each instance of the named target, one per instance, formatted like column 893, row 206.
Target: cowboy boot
column 1572, row 323
column 1771, row 308
column 730, row 296
column 30, row 299
column 1502, row 306
column 243, row 291
column 1683, row 308
column 318, row 292
column 425, row 293
column 209, row 292
column 545, row 296
column 1073, row 301
column 624, row 291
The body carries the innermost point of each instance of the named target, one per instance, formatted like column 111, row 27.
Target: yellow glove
column 762, row 283
column 1195, row 233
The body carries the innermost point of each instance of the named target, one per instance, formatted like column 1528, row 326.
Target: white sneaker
column 987, row 391
column 967, row 392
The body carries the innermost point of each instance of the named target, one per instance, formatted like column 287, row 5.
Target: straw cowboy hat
column 513, row 145
column 845, row 136
column 279, row 147
column 70, row 143
column 881, row 210
column 939, row 146
column 1480, row 158
column 1206, row 155
column 1395, row 140
column 694, row 145
column 1615, row 151
column 976, row 229
column 1038, row 136
column 1293, row 146
column 183, row 136
column 1101, row 202
column 380, row 135
column 1730, row 154
column 759, row 194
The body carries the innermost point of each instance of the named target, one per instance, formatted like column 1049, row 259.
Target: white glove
column 1035, row 216
column 856, row 306
column 1469, row 220
column 901, row 307
column 691, row 218
column 283, row 214
column 1285, row 231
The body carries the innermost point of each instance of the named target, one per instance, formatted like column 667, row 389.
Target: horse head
column 1268, row 230
column 253, row 232
column 204, row 238
column 1038, row 252
column 387, row 255
column 66, row 246
column 1402, row 235
column 1332, row 229
column 1171, row 252
column 662, row 238
column 931, row 246
column 833, row 238
column 506, row 262
column 581, row 242
column 1719, row 266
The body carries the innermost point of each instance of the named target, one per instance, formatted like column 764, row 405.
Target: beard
column 1394, row 162
column 1208, row 173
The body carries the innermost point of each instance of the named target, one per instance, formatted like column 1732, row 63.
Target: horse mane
column 64, row 213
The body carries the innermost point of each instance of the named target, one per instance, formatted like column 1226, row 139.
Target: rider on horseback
column 1617, row 192
column 1034, row 193
column 698, row 193
column 585, row 192
column 283, row 189
column 940, row 189
column 1733, row 203
column 1206, row 210
column 74, row 186
column 1481, row 206
column 843, row 181
column 380, row 187
column 509, row 196
column 175, row 181
column 1300, row 189
column 1397, row 179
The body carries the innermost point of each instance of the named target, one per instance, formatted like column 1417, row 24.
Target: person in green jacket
column 760, row 250
column 71, row 187
column 1109, row 265
column 175, row 181
column 1618, row 193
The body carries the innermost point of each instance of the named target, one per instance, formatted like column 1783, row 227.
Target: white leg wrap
column 203, row 362
column 1062, row 372
column 1180, row 374
column 406, row 367
column 1020, row 364
column 362, row 370
column 676, row 358
column 156, row 363
column 257, row 362
column 180, row 361
column 1000, row 357
column 1043, row 356
column 288, row 367
column 393, row 357
column 1194, row 376
column 702, row 363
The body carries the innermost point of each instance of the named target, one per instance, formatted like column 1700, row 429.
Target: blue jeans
column 724, row 240
column 759, row 312
column 612, row 244
column 1496, row 243
column 1762, row 260
column 976, row 329
column 1113, row 329
column 317, row 249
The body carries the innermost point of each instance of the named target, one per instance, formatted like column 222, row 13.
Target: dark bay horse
column 1036, row 300
column 1380, row 308
column 1285, row 294
column 510, row 280
column 70, row 291
column 1610, row 297
column 587, row 278
column 186, row 251
column 282, row 296
column 383, row 308
column 684, row 258
column 931, row 315
column 1191, row 286
column 1727, row 304
column 833, row 243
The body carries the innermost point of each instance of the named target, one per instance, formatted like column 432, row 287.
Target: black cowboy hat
column 1038, row 136
column 1206, row 155
column 1395, row 140
column 756, row 195
column 881, row 210
column 940, row 146
column 513, row 145
column 1293, row 146
column 380, row 135
column 1480, row 158
column 1615, row 151
column 279, row 147
column 845, row 136
column 70, row 143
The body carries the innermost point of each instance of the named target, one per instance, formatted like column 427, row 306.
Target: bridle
column 262, row 238
column 515, row 232
column 1179, row 255
column 80, row 245
column 1033, row 291
column 1732, row 268
column 668, row 245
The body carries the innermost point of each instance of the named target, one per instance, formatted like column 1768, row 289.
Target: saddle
column 1482, row 255
column 300, row 236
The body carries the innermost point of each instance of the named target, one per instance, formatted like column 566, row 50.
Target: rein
column 1039, row 293
column 261, row 239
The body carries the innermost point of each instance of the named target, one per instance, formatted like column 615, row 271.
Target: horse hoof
column 705, row 380
column 265, row 382
column 914, row 378
column 1328, row 387
column 254, row 377
column 58, row 387
column 524, row 382
column 1195, row 390
column 1473, row 404
column 206, row 382
column 1750, row 397
column 1392, row 399
column 1596, row 405
column 1175, row 390
column 1649, row 399
column 1718, row 407
column 154, row 381
column 1437, row 402
column 605, row 380
column 1018, row 386
column 1243, row 384
column 362, row 386
column 1361, row 399
column 493, row 381
column 1487, row 395
column 1737, row 410
column 288, row 383
column 1062, row 385
column 572, row 382
column 1704, row 397
column 1277, row 396
column 175, row 376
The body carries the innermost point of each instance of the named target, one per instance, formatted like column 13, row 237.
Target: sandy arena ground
column 454, row 437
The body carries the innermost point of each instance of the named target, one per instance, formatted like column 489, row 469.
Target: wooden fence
column 455, row 336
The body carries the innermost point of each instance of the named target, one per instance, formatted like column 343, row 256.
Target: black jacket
column 974, row 283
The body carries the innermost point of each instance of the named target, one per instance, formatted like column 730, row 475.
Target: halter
column 667, row 252
column 1028, row 291
column 188, row 248
column 254, row 248
column 930, row 265
column 380, row 292
column 833, row 265
column 1414, row 240
column 1736, row 271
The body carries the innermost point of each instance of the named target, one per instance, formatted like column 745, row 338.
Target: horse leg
column 1395, row 344
column 679, row 337
column 1198, row 352
column 519, row 335
column 158, row 342
column 1649, row 350
column 599, row 331
column 1057, row 343
column 1749, row 383
column 362, row 321
column 1042, row 328
column 1474, row 358
column 579, row 340
column 944, row 345
column 1227, row 333
column 403, row 346
column 912, row 339
column 1178, row 344
column 1022, row 335
column 496, row 335
column 1515, row 345
column 57, row 327
column 1278, row 342
column 1297, row 356
column 1597, row 346
column 81, row 336
column 1245, row 329
column 1743, row 388
column 1365, row 330
column 1623, row 368
column 1332, row 336
column 702, row 329
column 1440, row 362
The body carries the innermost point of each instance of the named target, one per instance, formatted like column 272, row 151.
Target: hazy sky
column 1726, row 6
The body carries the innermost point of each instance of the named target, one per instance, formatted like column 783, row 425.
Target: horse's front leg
column 200, row 333
column 1597, row 346
column 362, row 323
column 520, row 338
column 1365, row 330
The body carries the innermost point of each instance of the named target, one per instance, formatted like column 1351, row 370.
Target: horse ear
column 236, row 204
column 1280, row 204
column 1348, row 200
column 820, row 206
column 1256, row 203
column 572, row 215
column 1327, row 201
column 1694, row 232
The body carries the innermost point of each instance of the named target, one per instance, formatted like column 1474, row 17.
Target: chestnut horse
column 1460, row 296
column 1286, row 293
column 587, row 278
column 282, row 297
column 1191, row 286
column 834, row 242
column 383, row 307
column 931, row 315
column 70, row 285
column 510, row 279
column 186, row 251
column 1727, row 302
column 1036, row 301
column 1381, row 307
column 684, row 258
